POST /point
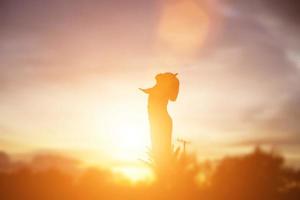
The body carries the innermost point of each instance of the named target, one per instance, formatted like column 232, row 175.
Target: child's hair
column 170, row 83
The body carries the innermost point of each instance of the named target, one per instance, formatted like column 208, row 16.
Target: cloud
column 58, row 42
column 249, row 81
column 264, row 62
column 288, row 10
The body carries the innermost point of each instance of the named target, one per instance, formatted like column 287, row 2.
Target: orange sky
column 70, row 75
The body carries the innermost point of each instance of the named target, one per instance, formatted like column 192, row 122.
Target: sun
column 127, row 133
column 130, row 141
column 129, row 136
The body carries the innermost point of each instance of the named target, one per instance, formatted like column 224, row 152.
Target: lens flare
column 183, row 26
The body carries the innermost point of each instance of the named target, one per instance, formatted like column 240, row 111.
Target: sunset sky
column 70, row 73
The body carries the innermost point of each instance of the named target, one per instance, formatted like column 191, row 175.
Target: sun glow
column 129, row 132
column 129, row 140
column 136, row 173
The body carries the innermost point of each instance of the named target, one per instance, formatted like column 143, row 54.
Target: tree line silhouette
column 257, row 175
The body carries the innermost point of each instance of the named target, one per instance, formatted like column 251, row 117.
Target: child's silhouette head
column 166, row 83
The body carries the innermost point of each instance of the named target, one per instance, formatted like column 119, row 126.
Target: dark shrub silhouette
column 259, row 175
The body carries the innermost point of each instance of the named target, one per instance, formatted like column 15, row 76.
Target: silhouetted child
column 166, row 88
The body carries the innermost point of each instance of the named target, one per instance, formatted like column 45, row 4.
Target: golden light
column 136, row 173
column 129, row 140
column 128, row 135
